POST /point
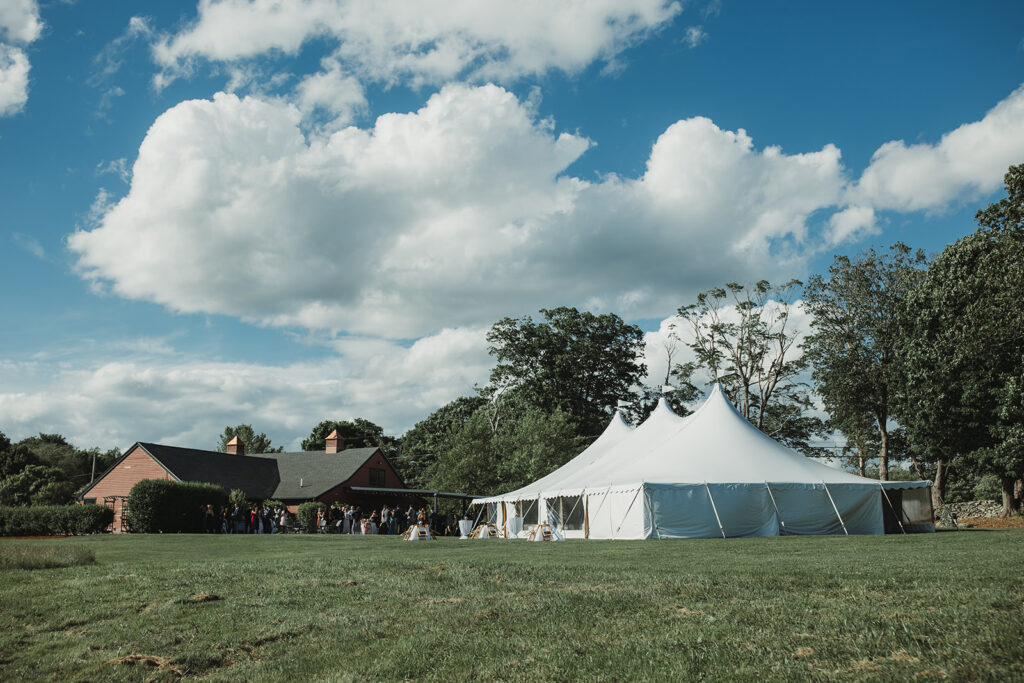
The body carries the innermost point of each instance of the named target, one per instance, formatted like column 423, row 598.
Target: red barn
column 292, row 478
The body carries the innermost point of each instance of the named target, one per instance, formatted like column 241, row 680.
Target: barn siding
column 135, row 467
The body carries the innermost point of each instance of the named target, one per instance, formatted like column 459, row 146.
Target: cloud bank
column 418, row 41
column 447, row 216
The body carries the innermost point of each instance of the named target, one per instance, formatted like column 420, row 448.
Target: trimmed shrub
column 307, row 514
column 165, row 506
column 54, row 520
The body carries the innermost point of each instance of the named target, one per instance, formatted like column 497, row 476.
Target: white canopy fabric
column 711, row 473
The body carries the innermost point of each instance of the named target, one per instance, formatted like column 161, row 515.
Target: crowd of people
column 333, row 519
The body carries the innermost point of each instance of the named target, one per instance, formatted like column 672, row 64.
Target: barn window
column 376, row 477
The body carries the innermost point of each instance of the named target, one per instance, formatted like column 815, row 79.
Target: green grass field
column 919, row 607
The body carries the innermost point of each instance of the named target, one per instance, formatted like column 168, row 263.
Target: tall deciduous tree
column 965, row 359
column 357, row 433
column 857, row 334
column 254, row 443
column 744, row 338
column 422, row 445
column 528, row 445
column 577, row 362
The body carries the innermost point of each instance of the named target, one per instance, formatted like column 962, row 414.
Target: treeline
column 47, row 470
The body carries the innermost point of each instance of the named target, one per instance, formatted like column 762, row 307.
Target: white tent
column 709, row 474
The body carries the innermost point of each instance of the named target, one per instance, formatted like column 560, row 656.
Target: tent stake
column 715, row 508
column 835, row 508
column 898, row 520
column 778, row 515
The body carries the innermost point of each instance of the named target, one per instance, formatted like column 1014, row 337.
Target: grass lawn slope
column 921, row 607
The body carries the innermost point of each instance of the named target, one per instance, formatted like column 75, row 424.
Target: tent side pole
column 886, row 496
column 831, row 500
column 778, row 515
column 504, row 519
column 561, row 515
column 482, row 508
column 572, row 510
column 624, row 516
column 715, row 508
column 586, row 514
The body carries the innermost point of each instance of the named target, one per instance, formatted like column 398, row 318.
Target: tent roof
column 615, row 432
column 714, row 445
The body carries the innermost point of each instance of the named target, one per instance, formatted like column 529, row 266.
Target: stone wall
column 976, row 508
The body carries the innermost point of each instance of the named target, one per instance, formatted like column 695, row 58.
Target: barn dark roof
column 255, row 475
column 285, row 476
column 307, row 475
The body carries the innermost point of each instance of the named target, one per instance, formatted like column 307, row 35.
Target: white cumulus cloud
column 19, row 25
column 423, row 41
column 156, row 394
column 453, row 215
column 967, row 163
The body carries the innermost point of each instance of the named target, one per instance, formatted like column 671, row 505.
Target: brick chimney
column 236, row 447
column 335, row 442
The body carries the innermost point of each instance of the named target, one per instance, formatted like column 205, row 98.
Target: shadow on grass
column 46, row 556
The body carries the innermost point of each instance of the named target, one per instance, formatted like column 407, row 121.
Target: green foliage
column 161, row 505
column 527, row 445
column 744, row 340
column 429, row 439
column 75, row 464
column 237, row 498
column 576, row 362
column 45, row 470
column 36, row 485
column 273, row 503
column 52, row 520
column 14, row 458
column 358, row 433
column 47, row 557
column 856, row 316
column 307, row 512
column 254, row 443
column 965, row 354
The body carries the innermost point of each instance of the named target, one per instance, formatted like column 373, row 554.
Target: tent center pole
column 835, row 508
column 715, row 508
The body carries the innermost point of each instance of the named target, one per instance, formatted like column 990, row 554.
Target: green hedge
column 307, row 514
column 165, row 506
column 54, row 520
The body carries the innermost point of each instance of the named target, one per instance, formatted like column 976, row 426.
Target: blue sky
column 246, row 212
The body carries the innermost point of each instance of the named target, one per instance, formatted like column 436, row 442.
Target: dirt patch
column 347, row 582
column 904, row 656
column 160, row 663
column 204, row 597
column 803, row 652
column 687, row 612
column 864, row 665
